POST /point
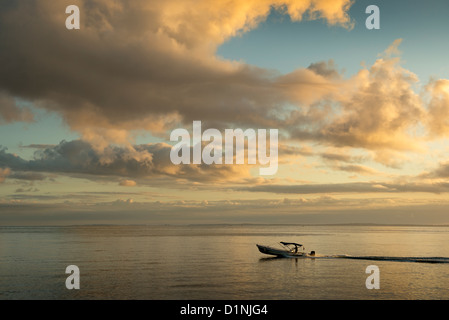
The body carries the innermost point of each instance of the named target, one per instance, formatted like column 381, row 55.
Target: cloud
column 30, row 189
column 149, row 65
column 341, row 157
column 326, row 69
column 10, row 111
column 144, row 162
column 438, row 117
column 124, row 202
column 320, row 209
column 440, row 172
column 360, row 187
column 364, row 170
column 4, row 172
column 152, row 65
column 38, row 146
column 391, row 158
column 127, row 183
column 379, row 110
column 344, row 160
column 31, row 176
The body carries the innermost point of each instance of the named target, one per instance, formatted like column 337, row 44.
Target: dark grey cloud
column 30, row 189
column 37, row 146
column 146, row 66
column 325, row 68
column 31, row 176
column 10, row 111
column 124, row 68
column 357, row 169
column 79, row 158
column 342, row 157
column 440, row 172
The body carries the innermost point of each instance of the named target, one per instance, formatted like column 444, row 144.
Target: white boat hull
column 279, row 252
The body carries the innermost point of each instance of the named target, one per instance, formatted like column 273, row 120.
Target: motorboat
column 287, row 249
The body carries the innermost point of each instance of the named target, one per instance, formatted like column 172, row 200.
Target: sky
column 86, row 114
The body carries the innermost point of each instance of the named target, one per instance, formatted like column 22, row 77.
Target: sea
column 222, row 262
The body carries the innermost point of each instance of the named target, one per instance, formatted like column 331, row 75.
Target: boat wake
column 291, row 250
column 387, row 258
column 398, row 259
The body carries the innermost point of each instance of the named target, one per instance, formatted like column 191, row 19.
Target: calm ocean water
column 222, row 262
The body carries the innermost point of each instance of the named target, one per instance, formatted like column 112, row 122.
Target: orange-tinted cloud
column 11, row 112
column 151, row 65
column 144, row 64
column 378, row 110
column 4, row 172
column 127, row 183
column 438, row 118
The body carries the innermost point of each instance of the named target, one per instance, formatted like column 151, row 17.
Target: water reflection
column 214, row 262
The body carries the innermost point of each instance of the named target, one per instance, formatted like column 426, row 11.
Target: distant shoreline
column 232, row 224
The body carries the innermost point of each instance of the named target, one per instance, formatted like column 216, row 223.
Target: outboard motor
column 312, row 253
